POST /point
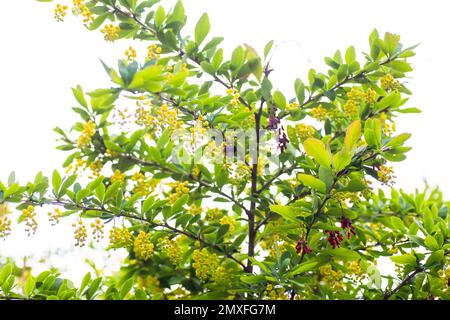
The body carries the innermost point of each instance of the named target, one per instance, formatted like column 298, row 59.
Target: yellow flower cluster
column 54, row 216
column 149, row 282
column 370, row 96
column 205, row 263
column 96, row 168
column 153, row 52
column 143, row 186
column 301, row 132
column 178, row 188
column 111, row 32
column 196, row 171
column 168, row 117
column 130, row 54
column 214, row 215
column 351, row 107
column 388, row 128
column 97, row 229
column 240, row 172
column 118, row 176
column 272, row 293
column 29, row 215
column 74, row 167
column 143, row 116
column 5, row 222
column 60, row 12
column 389, row 83
column 261, row 166
column 173, row 248
column 194, row 209
column 292, row 106
column 444, row 277
column 143, row 247
column 229, row 221
column 386, row 175
column 199, row 129
column 344, row 197
column 319, row 113
column 354, row 268
column 236, row 96
column 79, row 8
column 80, row 233
column 86, row 136
column 120, row 238
column 332, row 277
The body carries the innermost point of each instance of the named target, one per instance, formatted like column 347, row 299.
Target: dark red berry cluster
column 347, row 225
column 335, row 238
column 302, row 247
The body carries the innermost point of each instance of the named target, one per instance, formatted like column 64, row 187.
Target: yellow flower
column 96, row 168
column 118, row 176
column 80, row 233
column 54, row 216
column 86, row 136
column 60, row 12
column 386, row 174
column 5, row 222
column 178, row 189
column 292, row 106
column 97, row 229
column 120, row 238
column 205, row 263
column 229, row 221
column 214, row 215
column 153, row 52
column 389, row 83
column 319, row 113
column 194, row 209
column 30, row 219
column 370, row 96
column 130, row 54
column 111, row 32
column 143, row 247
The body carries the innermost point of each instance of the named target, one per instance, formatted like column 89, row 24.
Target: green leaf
column 398, row 223
column 350, row 55
column 431, row 243
column 160, row 15
column 398, row 140
column 353, row 135
column 279, row 100
column 407, row 259
column 56, row 181
column 79, row 95
column 312, row 182
column 237, row 58
column 126, row 287
column 435, row 257
column 267, row 48
column 401, row 66
column 5, row 273
column 316, row 149
column 341, row 160
column 29, row 286
column 344, row 254
column 303, row 267
column 286, row 212
column 178, row 205
column 202, row 29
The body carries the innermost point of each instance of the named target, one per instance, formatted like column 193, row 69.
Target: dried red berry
column 347, row 225
column 334, row 238
column 302, row 247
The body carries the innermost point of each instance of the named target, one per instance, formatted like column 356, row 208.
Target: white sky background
column 42, row 59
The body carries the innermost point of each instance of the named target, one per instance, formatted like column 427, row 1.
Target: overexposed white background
column 42, row 59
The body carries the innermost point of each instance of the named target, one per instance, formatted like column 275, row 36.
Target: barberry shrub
column 219, row 186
